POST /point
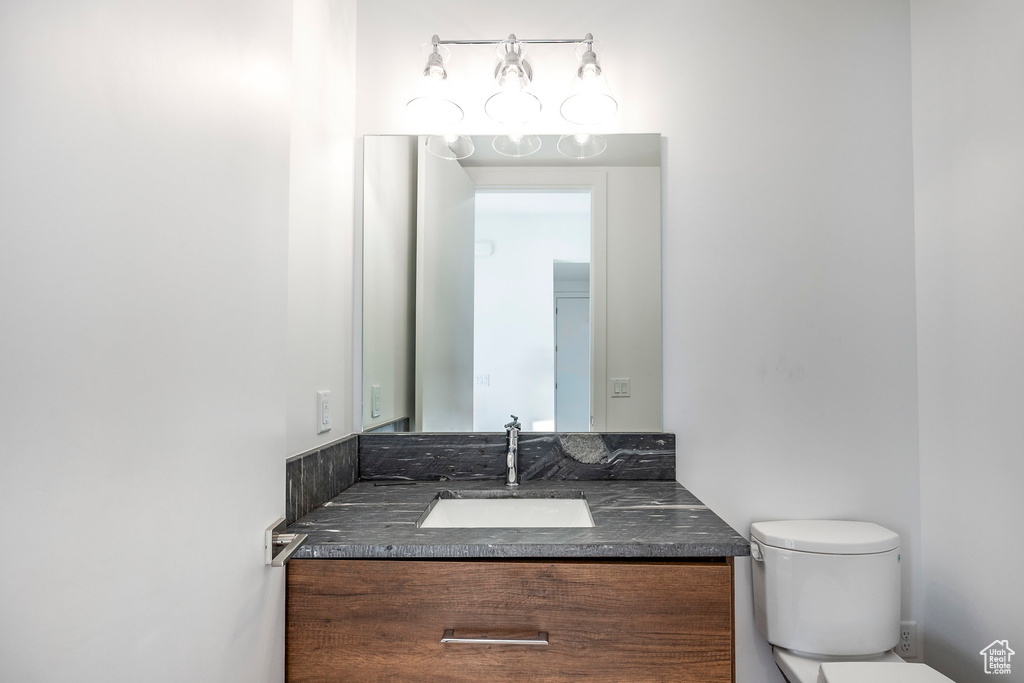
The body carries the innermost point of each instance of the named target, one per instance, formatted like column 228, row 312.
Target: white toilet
column 827, row 597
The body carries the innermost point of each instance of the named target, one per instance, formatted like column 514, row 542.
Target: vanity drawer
column 384, row 620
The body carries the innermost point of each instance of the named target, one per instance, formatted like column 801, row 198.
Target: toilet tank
column 826, row 587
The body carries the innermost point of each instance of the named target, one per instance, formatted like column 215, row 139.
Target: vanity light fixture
column 516, row 145
column 588, row 103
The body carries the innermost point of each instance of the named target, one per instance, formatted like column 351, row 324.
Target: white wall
column 968, row 67
column 633, row 342
column 443, row 389
column 321, row 277
column 514, row 311
column 389, row 262
column 143, row 265
column 788, row 244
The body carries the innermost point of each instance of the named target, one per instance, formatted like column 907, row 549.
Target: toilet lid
column 838, row 537
column 878, row 672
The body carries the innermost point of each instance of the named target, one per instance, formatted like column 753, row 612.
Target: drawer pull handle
column 541, row 639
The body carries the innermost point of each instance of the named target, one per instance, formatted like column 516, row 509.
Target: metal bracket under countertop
column 275, row 536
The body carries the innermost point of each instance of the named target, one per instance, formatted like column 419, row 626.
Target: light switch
column 375, row 400
column 323, row 411
column 620, row 387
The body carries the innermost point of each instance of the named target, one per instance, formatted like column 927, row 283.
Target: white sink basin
column 507, row 513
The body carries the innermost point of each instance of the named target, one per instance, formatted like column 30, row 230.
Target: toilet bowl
column 827, row 598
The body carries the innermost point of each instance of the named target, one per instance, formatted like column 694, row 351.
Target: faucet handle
column 514, row 424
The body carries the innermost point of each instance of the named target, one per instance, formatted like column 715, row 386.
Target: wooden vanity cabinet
column 366, row 620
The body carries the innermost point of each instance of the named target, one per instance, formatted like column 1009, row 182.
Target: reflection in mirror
column 495, row 285
column 531, row 322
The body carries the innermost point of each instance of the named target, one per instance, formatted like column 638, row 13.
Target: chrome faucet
column 512, row 454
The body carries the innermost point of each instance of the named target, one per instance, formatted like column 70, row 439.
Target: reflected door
column 572, row 364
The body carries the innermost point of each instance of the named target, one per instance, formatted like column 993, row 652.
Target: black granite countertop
column 632, row 519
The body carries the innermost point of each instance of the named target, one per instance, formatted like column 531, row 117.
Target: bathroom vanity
column 644, row 594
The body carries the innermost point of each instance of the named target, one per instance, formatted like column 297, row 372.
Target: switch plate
column 620, row 387
column 323, row 411
column 375, row 400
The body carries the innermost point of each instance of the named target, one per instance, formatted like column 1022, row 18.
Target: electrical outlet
column 907, row 647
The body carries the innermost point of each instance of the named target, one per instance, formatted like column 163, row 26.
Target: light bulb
column 512, row 85
column 511, row 78
column 582, row 138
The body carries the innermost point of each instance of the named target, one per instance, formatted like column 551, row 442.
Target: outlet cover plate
column 907, row 648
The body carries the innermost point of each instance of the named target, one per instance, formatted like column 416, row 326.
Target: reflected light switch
column 323, row 411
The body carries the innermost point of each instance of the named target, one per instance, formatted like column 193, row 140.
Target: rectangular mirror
column 497, row 285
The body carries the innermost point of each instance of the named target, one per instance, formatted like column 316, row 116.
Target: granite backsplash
column 313, row 478
column 548, row 456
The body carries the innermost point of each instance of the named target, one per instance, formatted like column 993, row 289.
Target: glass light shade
column 450, row 146
column 516, row 145
column 432, row 107
column 581, row 145
column 512, row 106
column 434, row 112
column 590, row 100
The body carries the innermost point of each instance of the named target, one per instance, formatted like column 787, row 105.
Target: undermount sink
column 505, row 510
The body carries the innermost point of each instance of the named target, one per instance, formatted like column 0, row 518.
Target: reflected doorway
column 532, row 251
